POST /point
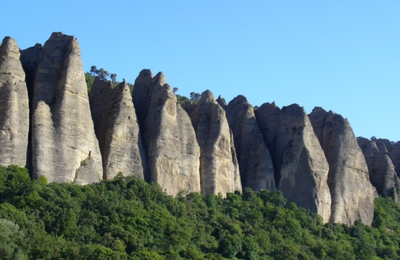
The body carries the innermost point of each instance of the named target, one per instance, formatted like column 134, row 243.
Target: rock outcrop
column 219, row 169
column 117, row 129
column 255, row 162
column 64, row 144
column 301, row 169
column 14, row 106
column 381, row 169
column 168, row 136
column 348, row 180
column 30, row 59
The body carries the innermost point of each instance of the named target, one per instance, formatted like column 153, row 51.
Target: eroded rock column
column 64, row 144
column 14, row 106
column 349, row 183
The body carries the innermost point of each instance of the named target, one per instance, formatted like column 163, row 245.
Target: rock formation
column 117, row 129
column 348, row 180
column 14, row 106
column 168, row 136
column 381, row 169
column 219, row 169
column 30, row 59
column 301, row 169
column 64, row 144
column 255, row 163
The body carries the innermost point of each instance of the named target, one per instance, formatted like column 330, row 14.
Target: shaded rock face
column 301, row 169
column 219, row 169
column 348, row 180
column 64, row 144
column 117, row 129
column 14, row 106
column 381, row 169
column 255, row 162
column 168, row 136
column 30, row 59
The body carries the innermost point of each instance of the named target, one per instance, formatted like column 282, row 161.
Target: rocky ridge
column 314, row 159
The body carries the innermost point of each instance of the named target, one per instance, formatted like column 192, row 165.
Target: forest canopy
column 127, row 218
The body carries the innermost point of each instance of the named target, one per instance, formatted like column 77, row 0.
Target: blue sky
column 341, row 55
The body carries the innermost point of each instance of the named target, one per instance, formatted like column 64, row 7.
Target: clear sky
column 343, row 56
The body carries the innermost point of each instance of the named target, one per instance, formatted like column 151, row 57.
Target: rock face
column 168, row 136
column 117, row 129
column 349, row 183
column 219, row 169
column 64, row 144
column 255, row 162
column 381, row 169
column 14, row 106
column 301, row 169
column 30, row 59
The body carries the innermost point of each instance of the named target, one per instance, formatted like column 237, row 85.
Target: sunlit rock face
column 255, row 163
column 117, row 129
column 301, row 169
column 14, row 106
column 352, row 192
column 64, row 144
column 380, row 166
column 172, row 151
column 219, row 169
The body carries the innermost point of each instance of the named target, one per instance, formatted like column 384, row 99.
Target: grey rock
column 219, row 169
column 381, row 169
column 168, row 136
column 255, row 162
column 117, row 129
column 301, row 169
column 14, row 106
column 63, row 136
column 30, row 59
column 352, row 192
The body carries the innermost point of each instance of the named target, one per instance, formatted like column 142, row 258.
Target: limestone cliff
column 349, row 183
column 117, row 129
column 301, row 169
column 14, row 106
column 168, row 135
column 219, row 169
column 255, row 162
column 381, row 169
column 64, row 144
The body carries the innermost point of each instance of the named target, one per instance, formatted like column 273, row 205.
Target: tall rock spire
column 219, row 169
column 14, row 106
column 352, row 192
column 255, row 163
column 64, row 144
column 301, row 169
column 168, row 136
column 117, row 129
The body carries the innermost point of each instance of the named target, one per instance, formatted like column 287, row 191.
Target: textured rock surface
column 301, row 169
column 349, row 183
column 64, row 144
column 30, row 59
column 117, row 129
column 255, row 162
column 219, row 169
column 14, row 106
column 381, row 169
column 168, row 135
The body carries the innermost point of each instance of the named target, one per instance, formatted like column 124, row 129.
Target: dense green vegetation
column 126, row 218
